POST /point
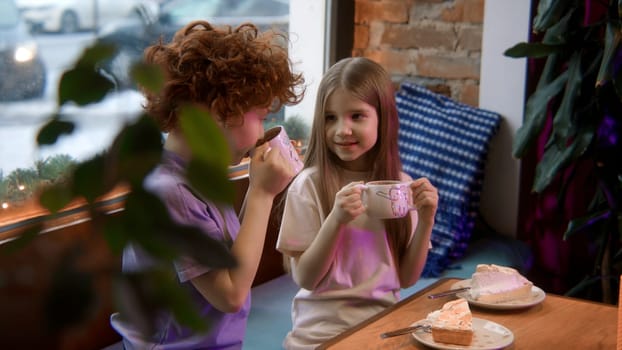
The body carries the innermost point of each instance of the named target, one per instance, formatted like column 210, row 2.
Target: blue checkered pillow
column 447, row 142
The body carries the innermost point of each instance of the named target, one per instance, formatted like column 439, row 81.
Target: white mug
column 277, row 139
column 387, row 199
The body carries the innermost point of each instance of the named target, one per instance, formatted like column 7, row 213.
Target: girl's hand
column 425, row 198
column 348, row 204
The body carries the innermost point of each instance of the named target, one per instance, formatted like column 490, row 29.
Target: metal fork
column 407, row 330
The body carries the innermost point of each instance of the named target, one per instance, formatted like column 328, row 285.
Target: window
column 46, row 40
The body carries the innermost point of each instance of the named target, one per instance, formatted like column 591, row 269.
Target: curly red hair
column 228, row 70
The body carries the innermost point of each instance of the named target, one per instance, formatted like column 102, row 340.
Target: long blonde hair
column 371, row 83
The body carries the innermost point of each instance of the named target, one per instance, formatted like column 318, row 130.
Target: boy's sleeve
column 184, row 209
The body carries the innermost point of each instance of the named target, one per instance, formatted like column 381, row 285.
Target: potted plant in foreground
column 135, row 151
column 573, row 119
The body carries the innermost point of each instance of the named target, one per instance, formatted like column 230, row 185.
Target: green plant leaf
column 612, row 45
column 211, row 181
column 535, row 115
column 148, row 76
column 560, row 32
column 134, row 302
column 184, row 309
column 551, row 70
column 83, row 85
column 580, row 224
column 146, row 221
column 549, row 86
column 194, row 243
column 549, row 12
column 207, row 171
column 136, row 150
column 155, row 230
column 197, row 124
column 141, row 296
column 89, row 179
column 55, row 197
column 555, row 159
column 53, row 130
column 562, row 122
column 584, row 284
column 144, row 295
column 113, row 230
column 142, row 221
column 534, row 50
column 583, row 139
column 94, row 54
column 549, row 166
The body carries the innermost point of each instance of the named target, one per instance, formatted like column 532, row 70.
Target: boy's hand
column 269, row 170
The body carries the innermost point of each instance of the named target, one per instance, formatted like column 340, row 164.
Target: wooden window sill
column 16, row 220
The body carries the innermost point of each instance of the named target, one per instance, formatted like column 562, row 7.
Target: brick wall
column 436, row 43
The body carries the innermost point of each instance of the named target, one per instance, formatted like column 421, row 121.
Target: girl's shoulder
column 307, row 177
column 405, row 177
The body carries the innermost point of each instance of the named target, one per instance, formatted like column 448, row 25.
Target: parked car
column 68, row 16
column 131, row 36
column 22, row 72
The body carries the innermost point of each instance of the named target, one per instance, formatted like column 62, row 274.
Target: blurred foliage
column 579, row 94
column 145, row 221
column 21, row 184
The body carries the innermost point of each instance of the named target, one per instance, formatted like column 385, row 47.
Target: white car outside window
column 67, row 16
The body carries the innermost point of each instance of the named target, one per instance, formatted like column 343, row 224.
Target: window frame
column 336, row 43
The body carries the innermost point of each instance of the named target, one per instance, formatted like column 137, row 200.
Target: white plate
column 536, row 297
column 487, row 335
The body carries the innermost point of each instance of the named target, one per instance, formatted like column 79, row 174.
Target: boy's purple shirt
column 226, row 330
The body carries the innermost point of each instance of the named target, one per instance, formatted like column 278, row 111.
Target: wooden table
column 557, row 323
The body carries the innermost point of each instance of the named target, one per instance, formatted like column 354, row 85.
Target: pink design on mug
column 387, row 199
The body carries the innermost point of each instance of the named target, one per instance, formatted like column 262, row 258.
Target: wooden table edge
column 381, row 314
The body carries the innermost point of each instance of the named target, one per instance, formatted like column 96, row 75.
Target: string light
column 7, row 204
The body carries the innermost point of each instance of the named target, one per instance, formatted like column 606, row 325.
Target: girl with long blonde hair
column 349, row 265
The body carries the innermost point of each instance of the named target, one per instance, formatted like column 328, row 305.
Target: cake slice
column 453, row 323
column 495, row 284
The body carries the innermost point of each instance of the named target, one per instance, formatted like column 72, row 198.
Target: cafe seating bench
column 460, row 240
column 270, row 316
column 446, row 141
